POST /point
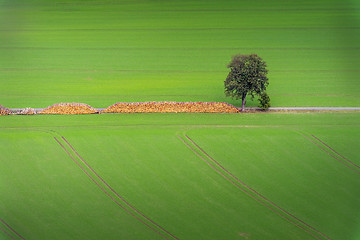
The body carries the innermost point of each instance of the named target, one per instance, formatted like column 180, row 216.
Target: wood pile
column 172, row 107
column 69, row 108
column 4, row 111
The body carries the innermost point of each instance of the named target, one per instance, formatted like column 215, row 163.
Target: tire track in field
column 103, row 190
column 330, row 148
column 3, row 230
column 251, row 189
column 112, row 190
column 332, row 155
column 263, row 200
column 12, row 230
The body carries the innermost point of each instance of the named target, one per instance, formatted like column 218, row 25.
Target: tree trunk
column 243, row 102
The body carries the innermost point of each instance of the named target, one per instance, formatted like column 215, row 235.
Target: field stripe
column 254, row 191
column 331, row 155
column 258, row 200
column 177, row 8
column 107, row 70
column 111, row 189
column 3, row 230
column 102, row 189
column 184, row 48
column 166, row 71
column 9, row 227
column 176, row 29
column 336, row 152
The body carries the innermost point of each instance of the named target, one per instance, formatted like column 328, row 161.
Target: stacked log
column 171, row 107
column 69, row 108
column 4, row 110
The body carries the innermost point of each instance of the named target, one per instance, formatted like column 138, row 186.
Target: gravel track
column 314, row 108
column 258, row 200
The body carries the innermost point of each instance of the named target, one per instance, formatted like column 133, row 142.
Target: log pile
column 172, row 107
column 4, row 111
column 69, row 108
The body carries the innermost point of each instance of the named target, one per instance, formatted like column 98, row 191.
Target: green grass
column 46, row 195
column 101, row 53
column 292, row 171
column 51, row 199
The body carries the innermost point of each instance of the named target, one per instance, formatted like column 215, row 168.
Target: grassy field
column 102, row 52
column 180, row 176
column 258, row 176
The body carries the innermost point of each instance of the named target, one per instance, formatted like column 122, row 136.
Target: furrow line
column 175, row 29
column 9, row 227
column 331, row 155
column 336, row 152
column 3, row 230
column 254, row 191
column 102, row 189
column 112, row 190
column 249, row 194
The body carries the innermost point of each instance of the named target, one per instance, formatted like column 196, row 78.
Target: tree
column 247, row 76
column 264, row 101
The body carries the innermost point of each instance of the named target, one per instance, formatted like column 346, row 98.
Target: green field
column 102, row 52
column 264, row 176
column 274, row 179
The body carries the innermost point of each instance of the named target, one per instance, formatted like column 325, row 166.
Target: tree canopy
column 247, row 76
